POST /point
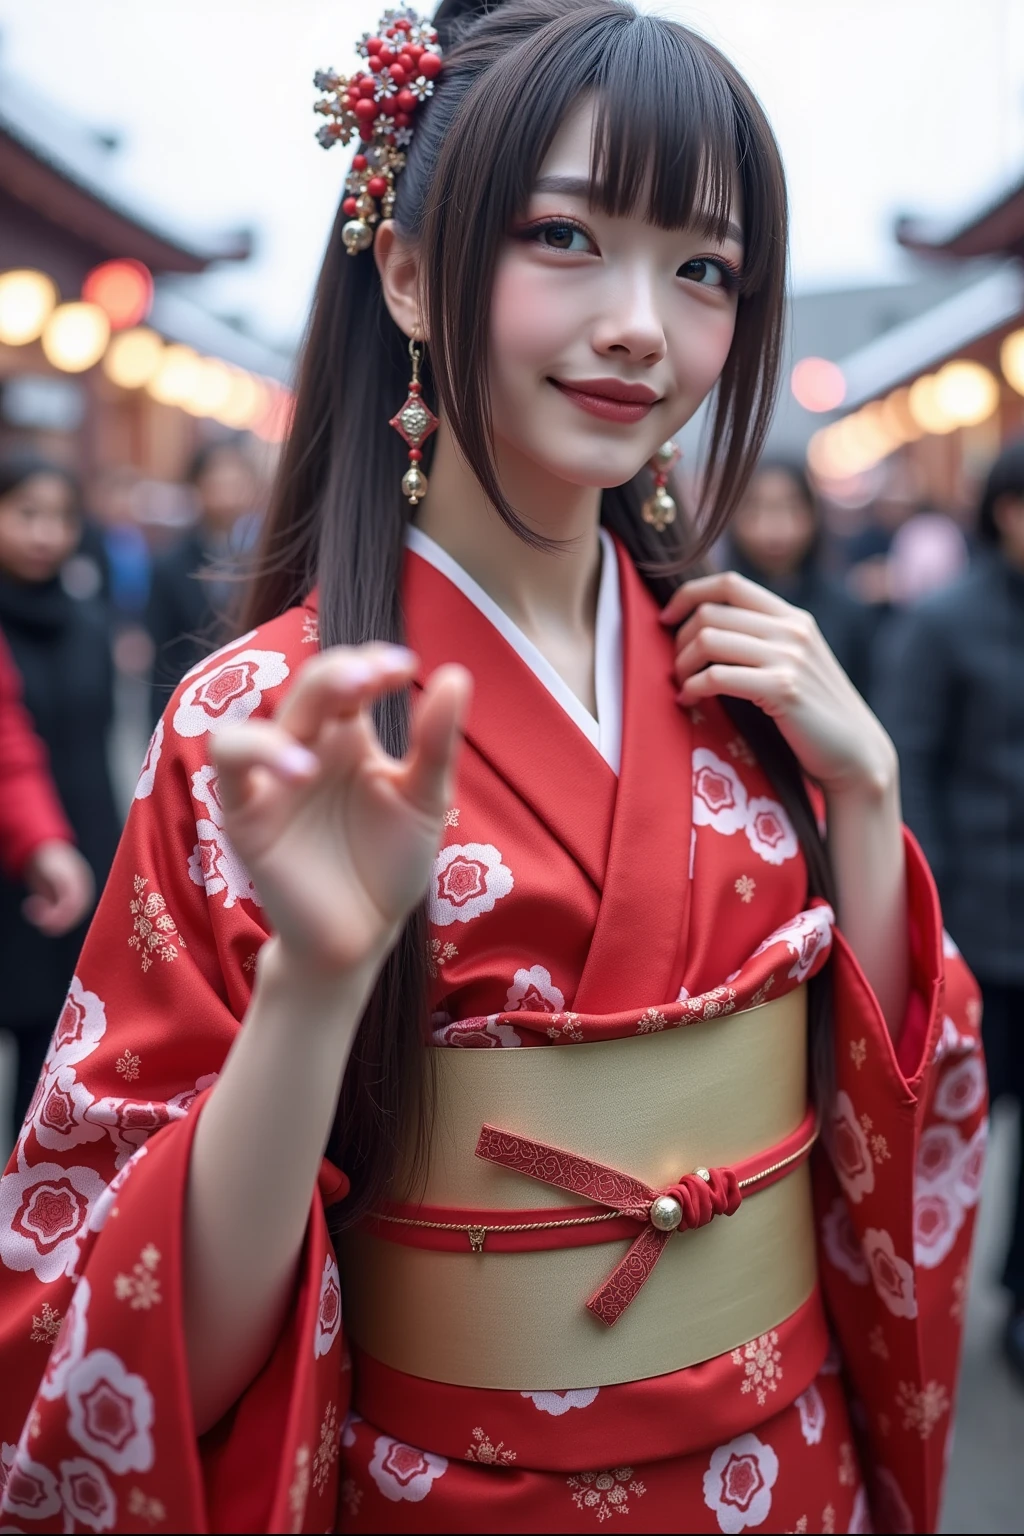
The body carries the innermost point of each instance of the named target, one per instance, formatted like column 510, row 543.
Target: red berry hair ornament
column 378, row 105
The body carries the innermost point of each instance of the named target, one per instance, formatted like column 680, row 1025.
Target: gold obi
column 707, row 1095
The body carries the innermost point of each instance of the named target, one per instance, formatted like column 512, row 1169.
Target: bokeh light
column 927, row 408
column 27, row 300
column 817, row 384
column 75, row 336
column 245, row 404
column 123, row 289
column 966, row 391
column 1011, row 360
column 133, row 357
column 176, row 377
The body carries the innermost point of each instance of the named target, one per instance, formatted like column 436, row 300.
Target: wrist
column 309, row 989
column 873, row 779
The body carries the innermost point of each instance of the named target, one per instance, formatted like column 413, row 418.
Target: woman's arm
column 338, row 838
column 737, row 639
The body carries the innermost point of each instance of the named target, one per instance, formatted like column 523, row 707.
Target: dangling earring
column 415, row 422
column 659, row 510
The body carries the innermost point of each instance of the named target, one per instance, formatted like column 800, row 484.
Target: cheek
column 699, row 341
column 531, row 317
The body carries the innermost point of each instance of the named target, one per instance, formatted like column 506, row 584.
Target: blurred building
column 106, row 357
column 933, row 398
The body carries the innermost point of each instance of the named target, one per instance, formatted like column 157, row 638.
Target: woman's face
column 773, row 526
column 39, row 527
column 606, row 333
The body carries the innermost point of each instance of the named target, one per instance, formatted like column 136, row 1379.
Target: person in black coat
column 61, row 648
column 192, row 590
column 951, row 693
column 775, row 538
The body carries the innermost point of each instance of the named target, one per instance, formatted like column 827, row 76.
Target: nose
column 631, row 326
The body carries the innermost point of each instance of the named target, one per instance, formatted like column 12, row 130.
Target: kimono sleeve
column 96, row 1425
column 896, row 1199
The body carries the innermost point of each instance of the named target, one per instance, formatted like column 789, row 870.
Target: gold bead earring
column 660, row 509
column 415, row 422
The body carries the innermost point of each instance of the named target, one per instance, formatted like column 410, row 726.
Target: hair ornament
column 378, row 105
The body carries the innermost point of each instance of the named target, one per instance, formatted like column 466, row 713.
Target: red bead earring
column 415, row 422
column 660, row 509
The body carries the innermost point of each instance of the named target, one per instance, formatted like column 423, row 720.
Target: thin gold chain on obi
column 477, row 1235
column 784, row 1162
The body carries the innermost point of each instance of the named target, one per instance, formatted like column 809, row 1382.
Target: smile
column 610, row 399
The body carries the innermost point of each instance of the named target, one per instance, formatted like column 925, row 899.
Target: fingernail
column 297, row 762
column 358, row 673
column 398, row 658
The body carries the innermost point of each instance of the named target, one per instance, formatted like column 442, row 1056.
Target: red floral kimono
column 567, row 904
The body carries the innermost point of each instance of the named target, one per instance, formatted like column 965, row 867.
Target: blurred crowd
column 109, row 593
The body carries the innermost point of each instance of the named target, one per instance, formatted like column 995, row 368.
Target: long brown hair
column 678, row 133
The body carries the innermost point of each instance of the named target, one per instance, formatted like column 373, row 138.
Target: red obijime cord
column 692, row 1202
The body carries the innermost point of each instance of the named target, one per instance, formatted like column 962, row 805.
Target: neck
column 539, row 590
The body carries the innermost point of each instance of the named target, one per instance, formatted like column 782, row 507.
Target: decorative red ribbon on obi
column 699, row 1199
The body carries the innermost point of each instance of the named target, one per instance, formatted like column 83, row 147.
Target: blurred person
column 951, row 691
column 61, row 648
column 776, row 539
column 192, row 587
column 113, row 536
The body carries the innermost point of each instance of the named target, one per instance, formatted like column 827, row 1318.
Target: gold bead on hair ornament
column 378, row 107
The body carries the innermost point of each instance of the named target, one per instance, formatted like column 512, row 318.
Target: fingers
column 428, row 769
column 714, row 646
column 723, row 587
column 258, row 744
column 773, row 690
column 337, row 685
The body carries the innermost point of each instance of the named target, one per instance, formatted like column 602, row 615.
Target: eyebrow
column 578, row 186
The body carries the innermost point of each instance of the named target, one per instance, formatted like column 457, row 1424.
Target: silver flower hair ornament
column 378, row 106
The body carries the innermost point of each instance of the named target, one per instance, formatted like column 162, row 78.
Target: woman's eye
column 709, row 274
column 563, row 237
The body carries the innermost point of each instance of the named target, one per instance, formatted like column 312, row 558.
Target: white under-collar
column 604, row 733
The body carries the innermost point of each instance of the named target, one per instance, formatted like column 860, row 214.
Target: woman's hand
column 338, row 836
column 736, row 638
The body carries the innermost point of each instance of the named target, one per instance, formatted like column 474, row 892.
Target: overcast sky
column 880, row 106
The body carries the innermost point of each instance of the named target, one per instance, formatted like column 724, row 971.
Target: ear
column 398, row 262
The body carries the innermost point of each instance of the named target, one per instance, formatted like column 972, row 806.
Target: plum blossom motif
column 130, row 1122
column 70, row 1345
column 206, row 790
column 938, row 1217
column 811, row 1408
column 144, row 788
column 939, row 1155
column 110, row 1412
column 58, row 1114
column 841, row 1246
column 213, row 863
column 80, row 1028
column 761, row 1361
column 961, row 1090
column 558, row 1403
column 770, row 832
column 104, row 1205
column 739, row 1481
column 851, row 1155
column 467, row 880
column 229, row 693
column 972, row 1167
column 44, row 1210
column 534, row 991
column 806, row 936
column 893, row 1277
column 214, row 656
column 328, row 1312
column 478, row 1034
column 86, row 1494
column 31, row 1489
column 719, row 797
column 402, row 1472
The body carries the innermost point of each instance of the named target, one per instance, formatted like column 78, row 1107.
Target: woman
column 953, row 695
column 775, row 538
column 586, row 239
column 61, row 649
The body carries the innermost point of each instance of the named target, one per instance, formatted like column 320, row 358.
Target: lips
column 609, row 399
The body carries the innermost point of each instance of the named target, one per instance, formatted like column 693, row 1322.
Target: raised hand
column 338, row 836
column 735, row 638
